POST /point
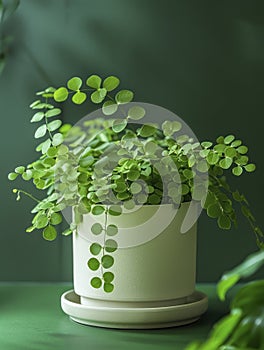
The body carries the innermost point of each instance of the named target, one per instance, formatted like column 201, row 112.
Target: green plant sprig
column 110, row 162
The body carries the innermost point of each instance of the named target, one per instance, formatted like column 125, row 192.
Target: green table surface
column 31, row 318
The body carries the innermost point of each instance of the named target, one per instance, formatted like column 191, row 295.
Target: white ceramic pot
column 160, row 269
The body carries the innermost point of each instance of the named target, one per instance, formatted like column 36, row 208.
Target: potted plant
column 136, row 190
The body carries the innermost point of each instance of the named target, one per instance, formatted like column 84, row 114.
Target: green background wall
column 204, row 60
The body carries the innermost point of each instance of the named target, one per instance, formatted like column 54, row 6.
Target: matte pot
column 154, row 262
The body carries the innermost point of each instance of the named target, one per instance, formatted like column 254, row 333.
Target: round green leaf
column 52, row 152
column 95, row 248
column 167, row 128
column 242, row 149
column 115, row 210
column 238, row 170
column 236, row 143
column 74, row 83
column 108, row 287
column 224, row 222
column 120, row 186
column 203, row 153
column 53, row 112
column 214, row 210
column 19, row 169
column 57, row 139
column 242, row 160
column 55, row 219
column 124, row 96
column 96, row 282
column 94, row 81
column 136, row 113
column 93, row 264
column 110, row 246
column 65, row 128
column 133, row 175
column 199, row 192
column 49, row 162
column 228, row 139
column 109, row 107
column 250, row 167
column 61, row 94
column 40, row 132
column 202, row 166
column 63, row 149
column 49, row 233
column 111, row 230
column 119, row 125
column 45, row 146
column 147, row 130
column 135, row 188
column 111, row 83
column 98, row 95
column 37, row 117
column 108, row 277
column 12, row 176
column 55, row 124
column 206, row 144
column 141, row 198
column 154, row 199
column 176, row 126
column 230, row 152
column 226, row 163
column 79, row 97
column 220, row 148
column 188, row 174
column 107, row 261
column 185, row 189
column 98, row 210
column 212, row 158
column 42, row 221
column 150, row 147
column 96, row 228
column 129, row 205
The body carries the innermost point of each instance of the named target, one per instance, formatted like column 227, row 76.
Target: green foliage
column 124, row 96
column 251, row 264
column 111, row 164
column 243, row 328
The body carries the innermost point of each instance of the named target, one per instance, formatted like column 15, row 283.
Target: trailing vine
column 102, row 253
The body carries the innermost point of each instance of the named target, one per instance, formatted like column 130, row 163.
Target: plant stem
column 29, row 195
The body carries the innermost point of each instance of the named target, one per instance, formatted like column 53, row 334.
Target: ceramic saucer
column 170, row 315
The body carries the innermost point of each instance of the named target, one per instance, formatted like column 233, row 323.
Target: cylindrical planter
column 154, row 269
column 160, row 269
